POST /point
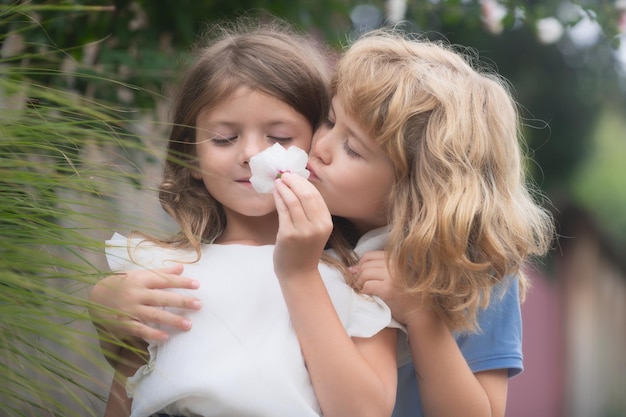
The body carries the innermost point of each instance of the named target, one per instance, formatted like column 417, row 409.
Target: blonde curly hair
column 461, row 213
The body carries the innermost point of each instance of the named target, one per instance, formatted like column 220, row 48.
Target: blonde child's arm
column 441, row 370
column 351, row 376
column 118, row 403
column 122, row 305
column 447, row 385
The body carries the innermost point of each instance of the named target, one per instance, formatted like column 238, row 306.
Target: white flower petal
column 266, row 166
column 296, row 161
column 262, row 184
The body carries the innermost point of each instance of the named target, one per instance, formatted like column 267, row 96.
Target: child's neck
column 253, row 231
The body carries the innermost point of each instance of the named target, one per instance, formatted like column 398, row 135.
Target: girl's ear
column 195, row 173
column 194, row 163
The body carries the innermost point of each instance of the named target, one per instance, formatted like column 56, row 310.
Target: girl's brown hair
column 270, row 57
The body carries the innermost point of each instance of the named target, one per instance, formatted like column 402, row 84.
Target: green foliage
column 599, row 185
column 141, row 43
column 50, row 364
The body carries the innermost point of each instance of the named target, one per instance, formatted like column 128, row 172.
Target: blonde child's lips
column 312, row 175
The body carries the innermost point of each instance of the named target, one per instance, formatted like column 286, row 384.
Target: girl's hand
column 374, row 278
column 138, row 297
column 351, row 376
column 305, row 225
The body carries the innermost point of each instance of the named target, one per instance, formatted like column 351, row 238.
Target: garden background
column 83, row 122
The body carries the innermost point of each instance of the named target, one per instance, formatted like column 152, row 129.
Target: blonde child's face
column 353, row 175
column 227, row 137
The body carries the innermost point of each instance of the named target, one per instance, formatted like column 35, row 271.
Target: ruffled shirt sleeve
column 376, row 240
column 361, row 315
column 365, row 315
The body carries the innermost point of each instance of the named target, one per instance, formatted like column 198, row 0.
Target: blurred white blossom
column 395, row 10
column 492, row 14
column 549, row 30
column 586, row 32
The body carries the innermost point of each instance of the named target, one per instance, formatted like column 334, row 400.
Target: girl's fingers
column 150, row 288
column 372, row 256
column 166, row 278
column 284, row 212
column 290, row 203
column 137, row 329
column 310, row 198
column 303, row 227
column 160, row 298
column 153, row 315
column 375, row 272
column 307, row 209
column 138, row 297
column 375, row 287
column 142, row 323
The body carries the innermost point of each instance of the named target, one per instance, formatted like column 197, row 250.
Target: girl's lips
column 245, row 181
column 313, row 176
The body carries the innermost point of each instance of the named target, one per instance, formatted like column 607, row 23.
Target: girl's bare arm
column 351, row 376
column 118, row 403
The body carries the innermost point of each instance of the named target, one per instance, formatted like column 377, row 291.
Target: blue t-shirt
column 497, row 346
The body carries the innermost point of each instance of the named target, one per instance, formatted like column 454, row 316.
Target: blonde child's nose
column 320, row 148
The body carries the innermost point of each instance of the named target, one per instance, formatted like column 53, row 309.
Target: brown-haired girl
column 278, row 334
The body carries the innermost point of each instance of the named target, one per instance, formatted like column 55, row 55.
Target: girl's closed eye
column 349, row 151
column 223, row 140
column 280, row 140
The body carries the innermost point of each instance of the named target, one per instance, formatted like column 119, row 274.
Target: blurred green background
column 83, row 87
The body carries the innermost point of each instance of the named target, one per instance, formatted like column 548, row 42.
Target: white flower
column 270, row 164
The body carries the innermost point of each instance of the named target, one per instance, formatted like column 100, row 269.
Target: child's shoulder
column 138, row 253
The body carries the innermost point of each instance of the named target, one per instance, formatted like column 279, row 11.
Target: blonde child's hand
column 138, row 296
column 374, row 278
column 304, row 226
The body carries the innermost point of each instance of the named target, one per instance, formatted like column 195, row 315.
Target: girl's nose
column 250, row 146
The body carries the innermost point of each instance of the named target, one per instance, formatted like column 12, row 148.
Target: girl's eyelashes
column 330, row 124
column 280, row 140
column 349, row 151
column 222, row 141
column 225, row 141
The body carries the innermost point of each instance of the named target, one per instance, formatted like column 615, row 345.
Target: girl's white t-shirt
column 241, row 356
